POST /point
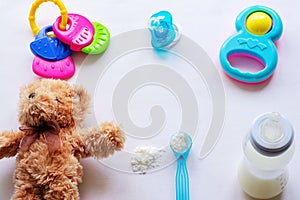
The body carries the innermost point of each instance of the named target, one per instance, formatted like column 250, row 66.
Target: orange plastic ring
column 63, row 11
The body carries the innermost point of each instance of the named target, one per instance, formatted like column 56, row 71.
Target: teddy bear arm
column 9, row 143
column 100, row 142
column 79, row 146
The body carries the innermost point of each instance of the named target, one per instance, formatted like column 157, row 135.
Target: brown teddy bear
column 49, row 143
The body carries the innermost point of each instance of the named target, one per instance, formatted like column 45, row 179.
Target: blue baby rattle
column 258, row 27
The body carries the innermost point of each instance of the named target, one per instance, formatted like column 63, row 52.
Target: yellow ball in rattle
column 258, row 23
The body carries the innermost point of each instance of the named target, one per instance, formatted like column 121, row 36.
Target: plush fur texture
column 44, row 175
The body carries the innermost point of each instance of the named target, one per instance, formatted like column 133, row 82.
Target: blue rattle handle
column 262, row 50
column 260, row 47
column 182, row 180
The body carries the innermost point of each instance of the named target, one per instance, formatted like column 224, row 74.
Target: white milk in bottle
column 268, row 148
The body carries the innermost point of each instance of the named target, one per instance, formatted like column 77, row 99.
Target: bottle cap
column 271, row 134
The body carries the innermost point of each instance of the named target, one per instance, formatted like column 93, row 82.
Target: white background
column 208, row 23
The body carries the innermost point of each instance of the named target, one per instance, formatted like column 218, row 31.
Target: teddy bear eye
column 56, row 99
column 32, row 95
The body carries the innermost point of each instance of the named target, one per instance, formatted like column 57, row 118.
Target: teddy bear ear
column 80, row 104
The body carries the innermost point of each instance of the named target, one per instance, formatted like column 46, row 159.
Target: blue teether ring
column 260, row 47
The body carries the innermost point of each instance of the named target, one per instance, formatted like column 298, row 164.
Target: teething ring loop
column 249, row 77
column 63, row 11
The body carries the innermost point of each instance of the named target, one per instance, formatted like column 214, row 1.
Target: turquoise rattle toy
column 258, row 27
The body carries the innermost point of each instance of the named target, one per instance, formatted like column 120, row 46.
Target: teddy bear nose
column 33, row 109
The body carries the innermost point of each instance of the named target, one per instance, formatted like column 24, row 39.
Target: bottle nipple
column 272, row 129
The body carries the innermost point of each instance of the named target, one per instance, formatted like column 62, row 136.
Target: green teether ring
column 100, row 41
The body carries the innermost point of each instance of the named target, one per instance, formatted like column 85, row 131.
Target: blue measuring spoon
column 181, row 143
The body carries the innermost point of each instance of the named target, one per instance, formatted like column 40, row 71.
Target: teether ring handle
column 248, row 46
column 34, row 7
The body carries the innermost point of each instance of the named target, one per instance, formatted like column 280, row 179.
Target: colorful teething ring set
column 72, row 32
column 258, row 27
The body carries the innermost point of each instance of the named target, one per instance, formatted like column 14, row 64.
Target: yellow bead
column 259, row 23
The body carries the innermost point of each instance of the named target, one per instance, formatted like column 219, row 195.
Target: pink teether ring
column 61, row 69
column 79, row 33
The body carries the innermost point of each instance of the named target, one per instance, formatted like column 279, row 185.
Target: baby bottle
column 268, row 148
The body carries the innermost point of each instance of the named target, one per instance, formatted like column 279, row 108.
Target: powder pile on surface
column 146, row 158
column 180, row 142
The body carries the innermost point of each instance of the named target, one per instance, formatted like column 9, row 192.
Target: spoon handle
column 182, row 180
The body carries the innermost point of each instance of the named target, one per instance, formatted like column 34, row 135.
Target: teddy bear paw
column 3, row 141
column 114, row 133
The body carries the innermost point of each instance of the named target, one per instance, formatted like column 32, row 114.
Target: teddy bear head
column 52, row 100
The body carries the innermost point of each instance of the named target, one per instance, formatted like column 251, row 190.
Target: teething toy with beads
column 258, row 27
